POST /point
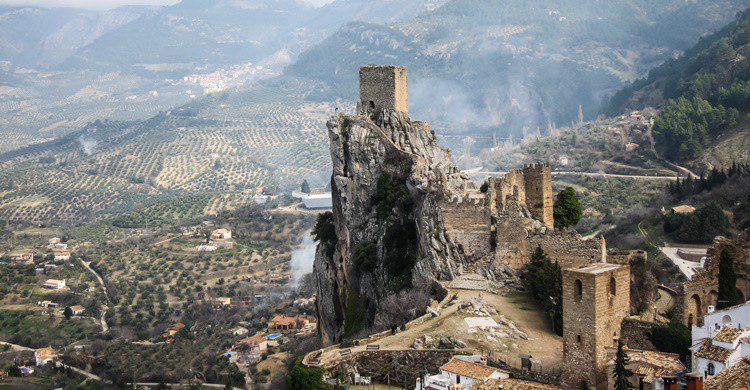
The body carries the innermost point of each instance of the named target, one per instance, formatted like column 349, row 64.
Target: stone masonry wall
column 538, row 189
column 567, row 247
column 385, row 86
column 591, row 320
column 467, row 223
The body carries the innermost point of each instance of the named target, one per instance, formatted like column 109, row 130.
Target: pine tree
column 727, row 281
column 621, row 372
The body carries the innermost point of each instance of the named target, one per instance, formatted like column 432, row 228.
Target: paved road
column 105, row 307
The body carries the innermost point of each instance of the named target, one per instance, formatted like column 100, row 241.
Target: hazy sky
column 104, row 4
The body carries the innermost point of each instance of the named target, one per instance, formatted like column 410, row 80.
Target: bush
column 305, row 378
column 673, row 338
column 543, row 279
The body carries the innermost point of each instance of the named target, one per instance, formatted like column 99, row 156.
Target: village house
column 77, row 310
column 722, row 341
column 727, row 348
column 652, row 370
column 25, row 258
column 54, row 241
column 283, row 323
column 222, row 302
column 221, row 234
column 61, row 246
column 736, row 377
column 62, row 256
column 256, row 343
column 47, row 304
column 54, row 284
column 461, row 372
column 44, row 356
column 172, row 330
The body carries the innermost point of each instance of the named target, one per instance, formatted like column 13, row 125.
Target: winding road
column 588, row 174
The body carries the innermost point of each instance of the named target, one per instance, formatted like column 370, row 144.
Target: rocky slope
column 389, row 177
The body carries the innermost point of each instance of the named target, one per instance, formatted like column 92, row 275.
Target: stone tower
column 383, row 87
column 538, row 183
column 596, row 298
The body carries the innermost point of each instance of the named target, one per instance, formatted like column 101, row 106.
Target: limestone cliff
column 390, row 183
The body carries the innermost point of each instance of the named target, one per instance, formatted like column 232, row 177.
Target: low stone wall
column 468, row 224
column 635, row 333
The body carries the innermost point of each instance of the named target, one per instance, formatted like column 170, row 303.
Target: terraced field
column 224, row 147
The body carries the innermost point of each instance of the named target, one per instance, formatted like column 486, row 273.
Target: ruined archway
column 695, row 311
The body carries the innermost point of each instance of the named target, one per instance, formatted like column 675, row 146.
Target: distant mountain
column 481, row 66
column 32, row 36
column 219, row 32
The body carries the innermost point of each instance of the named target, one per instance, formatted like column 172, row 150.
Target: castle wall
column 510, row 237
column 567, row 247
column 511, row 185
column 538, row 189
column 383, row 88
column 592, row 320
column 468, row 224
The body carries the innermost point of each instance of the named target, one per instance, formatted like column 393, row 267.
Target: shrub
column 567, row 209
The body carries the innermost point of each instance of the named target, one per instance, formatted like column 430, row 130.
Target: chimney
column 694, row 381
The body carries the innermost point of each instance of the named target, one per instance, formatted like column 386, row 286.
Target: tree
column 567, row 209
column 304, row 378
column 727, row 281
column 621, row 372
column 68, row 312
column 543, row 279
column 325, row 230
column 305, row 187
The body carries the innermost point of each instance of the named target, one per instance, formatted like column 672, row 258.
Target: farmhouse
column 77, row 310
column 62, row 256
column 282, row 322
column 44, row 356
column 54, row 284
column 221, row 234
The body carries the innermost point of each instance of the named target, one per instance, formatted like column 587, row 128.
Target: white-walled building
column 318, row 201
column 464, row 371
column 733, row 317
column 54, row 284
column 44, row 356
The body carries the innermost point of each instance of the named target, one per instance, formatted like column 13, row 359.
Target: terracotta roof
column 650, row 364
column 732, row 378
column 77, row 308
column 512, row 384
column 284, row 320
column 728, row 334
column 713, row 352
column 468, row 369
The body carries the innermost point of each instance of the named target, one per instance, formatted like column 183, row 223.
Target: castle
column 454, row 227
column 503, row 225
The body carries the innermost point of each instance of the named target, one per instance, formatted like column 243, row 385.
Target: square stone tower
column 383, row 87
column 596, row 298
column 538, row 184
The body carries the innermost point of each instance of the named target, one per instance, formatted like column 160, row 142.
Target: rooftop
column 469, row 369
column 712, row 352
column 650, row 364
column 731, row 378
column 512, row 384
column 597, row 268
column 728, row 334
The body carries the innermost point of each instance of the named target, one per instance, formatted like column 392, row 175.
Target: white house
column 54, row 284
column 62, row 256
column 733, row 317
column 44, row 356
column 725, row 349
column 77, row 310
column 465, row 371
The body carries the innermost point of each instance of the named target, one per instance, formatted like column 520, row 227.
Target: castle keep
column 383, row 88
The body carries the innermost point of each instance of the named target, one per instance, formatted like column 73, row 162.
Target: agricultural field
column 221, row 150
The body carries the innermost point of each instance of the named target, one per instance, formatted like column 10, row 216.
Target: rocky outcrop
column 390, row 183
